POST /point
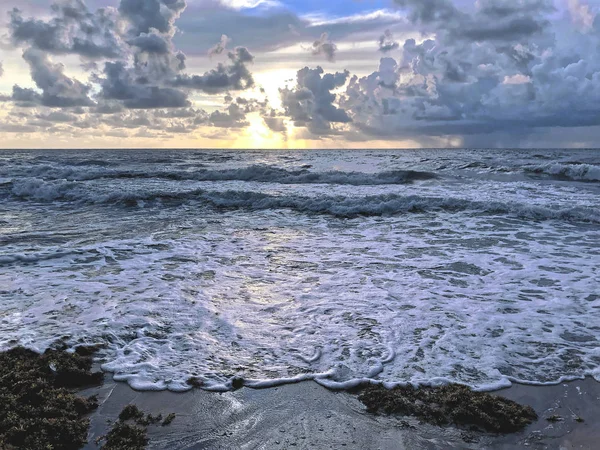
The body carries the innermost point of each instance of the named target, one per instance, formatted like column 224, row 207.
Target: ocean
column 400, row 266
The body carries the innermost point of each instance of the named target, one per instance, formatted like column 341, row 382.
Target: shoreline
column 307, row 415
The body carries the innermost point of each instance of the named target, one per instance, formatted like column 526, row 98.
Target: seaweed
column 130, row 412
column 132, row 436
column 124, row 436
column 194, row 382
column 237, row 383
column 168, row 419
column 451, row 404
column 38, row 409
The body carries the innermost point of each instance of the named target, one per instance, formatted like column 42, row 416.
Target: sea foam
column 263, row 268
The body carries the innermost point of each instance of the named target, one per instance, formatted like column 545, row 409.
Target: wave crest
column 339, row 206
column 562, row 171
column 256, row 173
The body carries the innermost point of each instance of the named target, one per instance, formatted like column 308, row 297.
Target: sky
column 299, row 73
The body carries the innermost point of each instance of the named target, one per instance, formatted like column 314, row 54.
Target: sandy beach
column 308, row 416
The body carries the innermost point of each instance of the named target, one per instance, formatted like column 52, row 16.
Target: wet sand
column 308, row 416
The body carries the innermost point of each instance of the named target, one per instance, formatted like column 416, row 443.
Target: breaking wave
column 562, row 171
column 256, row 173
column 339, row 206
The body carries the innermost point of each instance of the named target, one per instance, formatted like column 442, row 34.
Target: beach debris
column 130, row 432
column 194, row 381
column 130, row 412
column 149, row 419
column 576, row 417
column 168, row 419
column 451, row 404
column 124, row 436
column 237, row 383
column 38, row 408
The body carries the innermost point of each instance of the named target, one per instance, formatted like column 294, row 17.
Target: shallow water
column 476, row 266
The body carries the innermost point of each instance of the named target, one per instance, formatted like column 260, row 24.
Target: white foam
column 482, row 282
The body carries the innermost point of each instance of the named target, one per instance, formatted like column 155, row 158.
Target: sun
column 258, row 135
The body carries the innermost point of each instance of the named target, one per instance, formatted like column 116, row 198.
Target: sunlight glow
column 258, row 135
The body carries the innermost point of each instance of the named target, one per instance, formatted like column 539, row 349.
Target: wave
column 562, row 171
column 258, row 173
column 339, row 206
column 32, row 257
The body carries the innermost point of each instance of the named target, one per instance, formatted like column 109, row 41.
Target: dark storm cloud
column 73, row 29
column 232, row 76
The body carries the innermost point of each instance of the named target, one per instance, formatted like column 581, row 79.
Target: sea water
column 406, row 266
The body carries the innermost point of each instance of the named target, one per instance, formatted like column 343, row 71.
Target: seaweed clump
column 38, row 409
column 130, row 432
column 124, row 436
column 451, row 404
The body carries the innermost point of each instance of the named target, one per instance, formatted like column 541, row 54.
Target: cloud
column 220, row 46
column 276, row 124
column 482, row 75
column 232, row 76
column 72, row 30
column 141, row 82
column 581, row 14
column 501, row 69
column 118, row 84
column 58, row 90
column 387, row 42
column 234, row 117
column 324, row 46
column 493, row 20
column 310, row 103
column 427, row 11
column 249, row 4
column 151, row 43
column 274, row 28
column 380, row 16
column 145, row 15
column 57, row 116
column 26, row 96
